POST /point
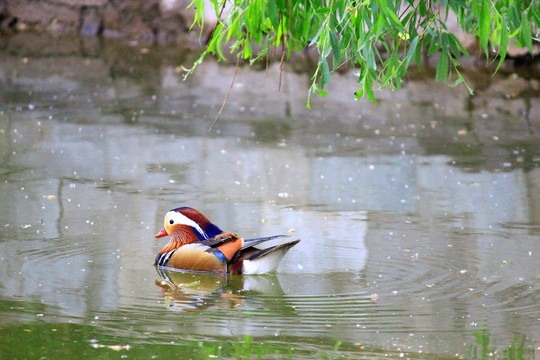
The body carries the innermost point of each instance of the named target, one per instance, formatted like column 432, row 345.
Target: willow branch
column 226, row 95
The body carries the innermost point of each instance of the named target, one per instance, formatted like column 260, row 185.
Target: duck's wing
column 256, row 241
column 230, row 244
column 224, row 246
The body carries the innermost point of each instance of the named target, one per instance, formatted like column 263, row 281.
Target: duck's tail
column 266, row 260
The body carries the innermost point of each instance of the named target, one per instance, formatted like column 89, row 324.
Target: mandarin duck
column 197, row 244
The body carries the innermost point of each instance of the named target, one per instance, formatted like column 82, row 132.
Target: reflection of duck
column 188, row 290
column 197, row 244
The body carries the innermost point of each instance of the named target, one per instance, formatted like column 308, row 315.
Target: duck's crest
column 209, row 230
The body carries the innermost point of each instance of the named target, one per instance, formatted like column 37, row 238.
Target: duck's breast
column 196, row 257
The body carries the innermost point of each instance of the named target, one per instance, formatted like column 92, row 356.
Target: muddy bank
column 150, row 21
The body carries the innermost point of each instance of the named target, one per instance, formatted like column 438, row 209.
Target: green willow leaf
column 526, row 31
column 503, row 44
column 370, row 58
column 390, row 14
column 316, row 37
column 454, row 47
column 322, row 11
column 306, row 26
column 434, row 45
column 484, row 26
column 322, row 92
column 368, row 84
column 336, row 51
column 378, row 38
column 422, row 8
column 457, row 43
column 281, row 5
column 272, row 13
column 442, row 66
column 412, row 51
column 326, row 77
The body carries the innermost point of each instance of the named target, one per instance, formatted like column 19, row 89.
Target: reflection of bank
column 197, row 291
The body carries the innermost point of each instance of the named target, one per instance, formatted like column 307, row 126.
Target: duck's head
column 186, row 219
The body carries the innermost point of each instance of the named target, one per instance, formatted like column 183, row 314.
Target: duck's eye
column 171, row 221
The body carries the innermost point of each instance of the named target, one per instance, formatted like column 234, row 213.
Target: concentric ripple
column 404, row 285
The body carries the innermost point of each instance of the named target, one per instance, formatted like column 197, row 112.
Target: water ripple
column 403, row 291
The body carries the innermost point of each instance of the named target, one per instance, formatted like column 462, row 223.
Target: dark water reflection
column 419, row 217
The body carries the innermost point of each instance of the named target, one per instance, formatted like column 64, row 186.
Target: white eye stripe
column 179, row 218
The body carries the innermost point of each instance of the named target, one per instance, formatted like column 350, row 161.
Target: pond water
column 419, row 217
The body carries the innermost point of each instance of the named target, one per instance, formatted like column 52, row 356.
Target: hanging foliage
column 377, row 38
